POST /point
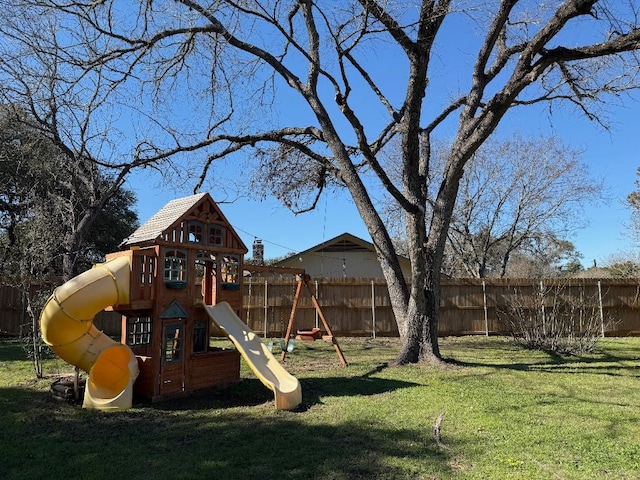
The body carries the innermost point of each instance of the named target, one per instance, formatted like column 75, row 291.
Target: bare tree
column 519, row 199
column 516, row 194
column 633, row 202
column 296, row 81
column 45, row 93
column 50, row 199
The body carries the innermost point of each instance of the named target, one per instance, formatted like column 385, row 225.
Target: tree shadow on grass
column 46, row 439
column 11, row 349
column 609, row 365
column 601, row 362
column 251, row 392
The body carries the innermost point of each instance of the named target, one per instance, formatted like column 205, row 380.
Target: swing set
column 315, row 333
column 303, row 335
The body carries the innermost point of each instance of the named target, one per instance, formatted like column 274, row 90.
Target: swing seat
column 309, row 335
column 284, row 346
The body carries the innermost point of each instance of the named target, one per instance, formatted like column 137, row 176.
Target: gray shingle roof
column 162, row 219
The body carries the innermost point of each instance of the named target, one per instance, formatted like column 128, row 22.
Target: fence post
column 249, row 303
column 373, row 309
column 544, row 320
column 266, row 308
column 484, row 301
column 318, row 297
column 601, row 310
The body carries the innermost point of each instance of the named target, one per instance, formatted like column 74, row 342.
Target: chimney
column 258, row 251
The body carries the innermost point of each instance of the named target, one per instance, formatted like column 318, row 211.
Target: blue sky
column 612, row 156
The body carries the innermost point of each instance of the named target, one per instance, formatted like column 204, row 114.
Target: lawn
column 504, row 413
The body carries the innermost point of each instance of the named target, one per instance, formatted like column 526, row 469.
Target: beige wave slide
column 286, row 387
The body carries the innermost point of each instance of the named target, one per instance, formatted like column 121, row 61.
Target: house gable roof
column 175, row 210
column 345, row 242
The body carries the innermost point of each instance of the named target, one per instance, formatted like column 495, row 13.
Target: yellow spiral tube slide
column 66, row 325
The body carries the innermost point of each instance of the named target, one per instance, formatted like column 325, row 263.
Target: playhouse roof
column 163, row 219
column 171, row 213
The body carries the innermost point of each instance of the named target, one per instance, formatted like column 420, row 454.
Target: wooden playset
column 176, row 282
column 315, row 333
column 186, row 256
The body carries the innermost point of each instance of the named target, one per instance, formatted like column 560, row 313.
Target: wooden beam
column 324, row 322
column 273, row 269
column 290, row 324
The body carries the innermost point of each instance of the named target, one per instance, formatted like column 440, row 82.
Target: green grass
column 508, row 413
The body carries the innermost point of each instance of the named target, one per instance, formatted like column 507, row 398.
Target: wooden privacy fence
column 13, row 313
column 15, row 320
column 361, row 307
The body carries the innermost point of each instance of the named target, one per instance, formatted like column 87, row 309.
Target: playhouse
column 184, row 257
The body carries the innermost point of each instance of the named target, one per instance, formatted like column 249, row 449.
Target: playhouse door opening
column 206, row 276
column 172, row 354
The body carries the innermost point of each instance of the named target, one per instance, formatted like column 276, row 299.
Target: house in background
column 344, row 256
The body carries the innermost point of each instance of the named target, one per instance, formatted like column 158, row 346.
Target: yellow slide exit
column 286, row 387
column 66, row 325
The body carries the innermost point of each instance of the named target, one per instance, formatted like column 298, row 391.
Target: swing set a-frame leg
column 304, row 279
column 291, row 317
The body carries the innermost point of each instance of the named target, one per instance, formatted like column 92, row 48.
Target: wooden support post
column 291, row 317
column 325, row 323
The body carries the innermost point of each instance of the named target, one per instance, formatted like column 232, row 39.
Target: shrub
column 554, row 320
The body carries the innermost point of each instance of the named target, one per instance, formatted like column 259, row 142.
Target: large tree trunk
column 426, row 250
column 420, row 341
column 417, row 314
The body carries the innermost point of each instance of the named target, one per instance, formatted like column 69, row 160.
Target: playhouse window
column 204, row 258
column 199, row 269
column 175, row 266
column 172, row 343
column 230, row 269
column 216, row 235
column 139, row 330
column 146, row 269
column 199, row 336
column 196, row 232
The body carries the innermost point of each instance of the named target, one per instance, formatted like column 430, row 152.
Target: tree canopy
column 44, row 197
